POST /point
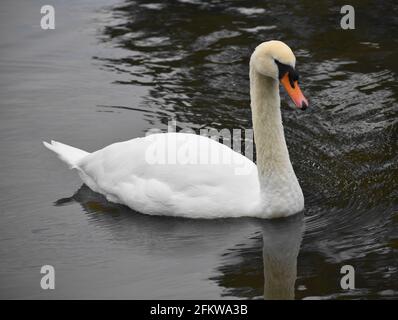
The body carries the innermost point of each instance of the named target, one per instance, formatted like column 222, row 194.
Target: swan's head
column 276, row 60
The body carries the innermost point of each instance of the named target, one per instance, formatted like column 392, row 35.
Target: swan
column 136, row 173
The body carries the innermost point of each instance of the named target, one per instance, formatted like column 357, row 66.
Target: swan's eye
column 283, row 69
column 293, row 77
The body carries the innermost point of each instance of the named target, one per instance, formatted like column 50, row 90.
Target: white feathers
column 68, row 154
column 126, row 173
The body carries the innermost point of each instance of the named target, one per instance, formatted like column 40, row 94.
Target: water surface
column 111, row 70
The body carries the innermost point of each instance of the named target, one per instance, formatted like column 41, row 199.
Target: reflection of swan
column 189, row 245
column 204, row 178
column 275, row 249
column 281, row 245
column 177, row 237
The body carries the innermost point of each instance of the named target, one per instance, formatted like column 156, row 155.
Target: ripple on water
column 194, row 59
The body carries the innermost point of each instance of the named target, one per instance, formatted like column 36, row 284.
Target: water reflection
column 130, row 225
column 160, row 235
column 184, row 238
column 266, row 265
column 281, row 245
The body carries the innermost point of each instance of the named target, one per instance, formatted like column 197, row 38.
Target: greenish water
column 111, row 70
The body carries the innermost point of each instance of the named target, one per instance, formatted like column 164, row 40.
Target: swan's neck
column 277, row 179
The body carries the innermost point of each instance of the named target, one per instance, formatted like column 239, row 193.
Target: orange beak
column 294, row 92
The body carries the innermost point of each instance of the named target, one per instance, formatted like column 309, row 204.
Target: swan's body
column 188, row 186
column 121, row 172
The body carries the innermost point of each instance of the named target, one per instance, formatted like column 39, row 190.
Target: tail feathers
column 68, row 154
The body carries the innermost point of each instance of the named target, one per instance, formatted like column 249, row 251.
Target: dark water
column 114, row 69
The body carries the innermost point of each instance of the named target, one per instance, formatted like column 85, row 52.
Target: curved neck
column 275, row 172
column 272, row 153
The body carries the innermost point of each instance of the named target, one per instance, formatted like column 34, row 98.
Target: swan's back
column 174, row 174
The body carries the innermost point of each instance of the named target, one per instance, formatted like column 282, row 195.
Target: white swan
column 130, row 172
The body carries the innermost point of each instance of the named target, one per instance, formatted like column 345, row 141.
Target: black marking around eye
column 283, row 69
